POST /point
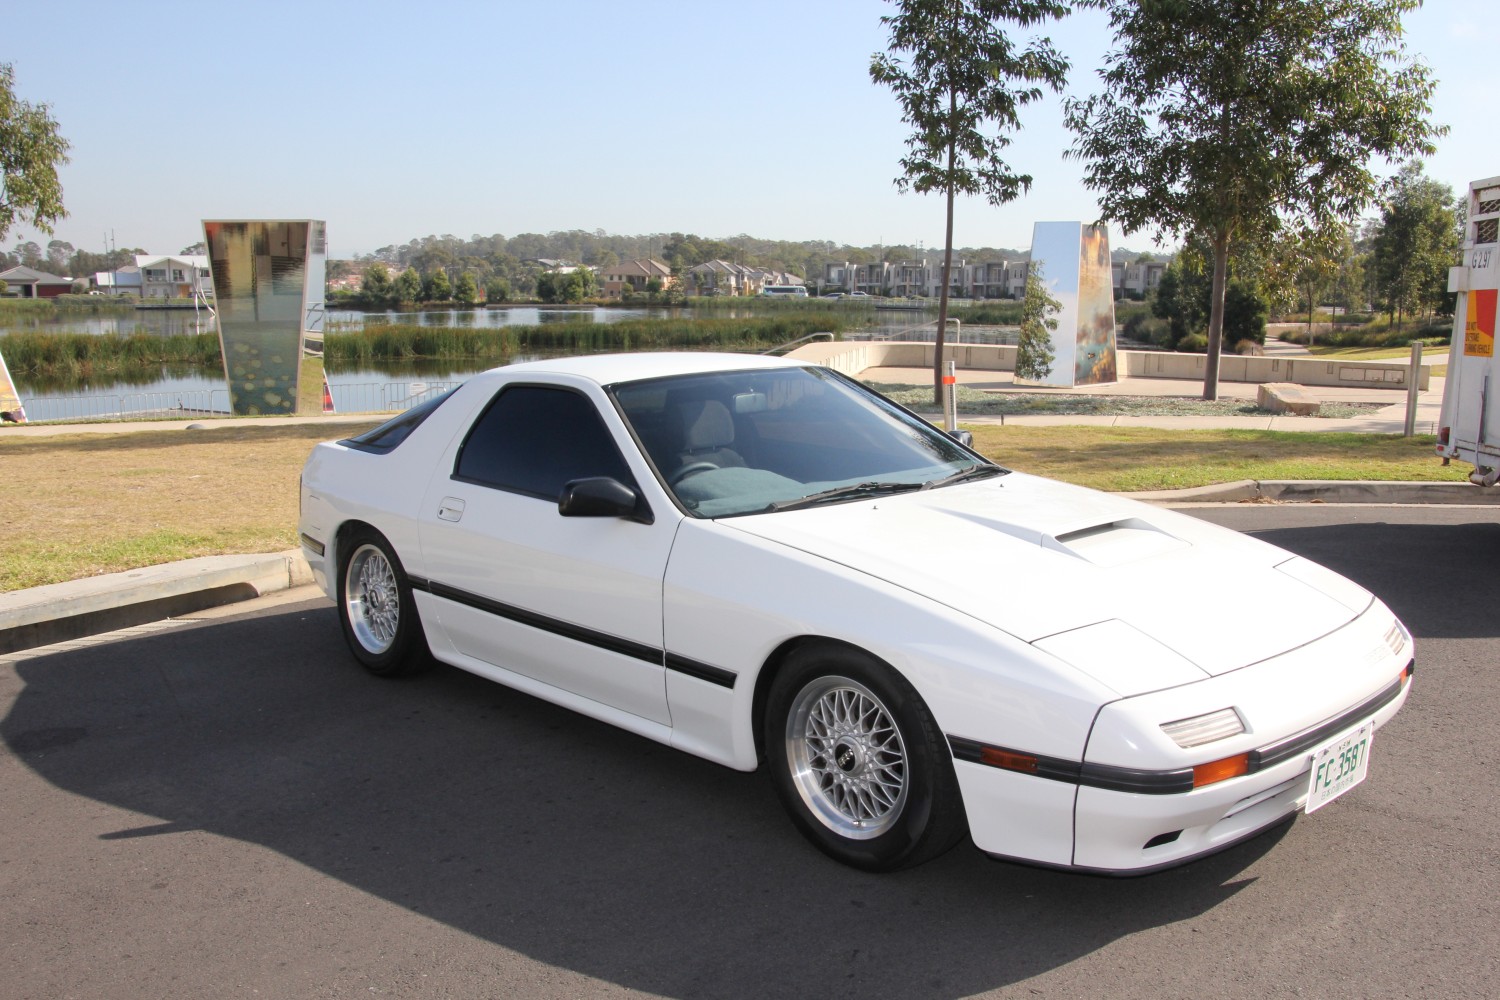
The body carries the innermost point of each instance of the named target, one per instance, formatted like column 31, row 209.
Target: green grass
column 1145, row 458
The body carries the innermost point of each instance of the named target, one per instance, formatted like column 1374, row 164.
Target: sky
column 398, row 120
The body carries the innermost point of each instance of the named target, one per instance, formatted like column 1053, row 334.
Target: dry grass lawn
column 80, row 505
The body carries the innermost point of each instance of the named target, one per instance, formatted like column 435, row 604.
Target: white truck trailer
column 1470, row 425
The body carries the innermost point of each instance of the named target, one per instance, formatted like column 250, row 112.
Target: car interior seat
column 707, row 433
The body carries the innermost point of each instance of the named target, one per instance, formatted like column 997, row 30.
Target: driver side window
column 534, row 439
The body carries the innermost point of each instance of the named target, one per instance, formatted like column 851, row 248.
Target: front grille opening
column 1162, row 838
column 1486, row 230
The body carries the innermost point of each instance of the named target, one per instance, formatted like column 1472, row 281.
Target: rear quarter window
column 388, row 435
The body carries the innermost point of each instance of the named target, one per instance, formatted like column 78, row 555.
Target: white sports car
column 763, row 562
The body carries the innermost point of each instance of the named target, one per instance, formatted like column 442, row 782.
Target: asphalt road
column 230, row 807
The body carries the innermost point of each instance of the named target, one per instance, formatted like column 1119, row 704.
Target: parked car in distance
column 767, row 564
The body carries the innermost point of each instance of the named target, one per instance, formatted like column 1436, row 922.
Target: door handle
column 451, row 509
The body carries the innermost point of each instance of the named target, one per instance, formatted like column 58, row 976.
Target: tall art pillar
column 268, row 287
column 1074, row 263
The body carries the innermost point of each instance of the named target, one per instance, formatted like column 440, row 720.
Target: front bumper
column 1131, row 807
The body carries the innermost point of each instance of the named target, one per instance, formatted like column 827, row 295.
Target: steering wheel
column 691, row 469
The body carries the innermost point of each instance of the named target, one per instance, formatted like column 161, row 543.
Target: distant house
column 346, row 283
column 1138, row 278
column 28, row 283
column 180, row 277
column 125, row 281
column 549, row 264
column 634, row 276
column 719, row 277
column 757, row 278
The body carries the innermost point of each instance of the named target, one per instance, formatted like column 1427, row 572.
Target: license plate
column 1339, row 765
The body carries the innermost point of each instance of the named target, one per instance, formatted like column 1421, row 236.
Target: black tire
column 859, row 763
column 376, row 610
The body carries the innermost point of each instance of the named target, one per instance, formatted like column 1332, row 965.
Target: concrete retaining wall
column 854, row 356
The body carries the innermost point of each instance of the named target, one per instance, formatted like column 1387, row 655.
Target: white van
column 783, row 291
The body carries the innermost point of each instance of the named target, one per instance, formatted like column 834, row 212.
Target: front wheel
column 376, row 609
column 859, row 763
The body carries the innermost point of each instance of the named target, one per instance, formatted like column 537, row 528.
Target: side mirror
column 965, row 438
column 601, row 496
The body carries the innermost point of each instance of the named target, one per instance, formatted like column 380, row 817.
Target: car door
column 574, row 602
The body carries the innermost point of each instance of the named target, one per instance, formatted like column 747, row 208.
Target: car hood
column 1038, row 559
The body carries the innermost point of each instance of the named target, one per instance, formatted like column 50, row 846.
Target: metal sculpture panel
column 268, row 286
column 1075, row 263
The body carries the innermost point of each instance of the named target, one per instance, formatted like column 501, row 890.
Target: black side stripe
column 702, row 671
column 1170, row 782
column 601, row 640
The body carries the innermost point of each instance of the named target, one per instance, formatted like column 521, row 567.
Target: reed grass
column 411, row 342
column 60, row 360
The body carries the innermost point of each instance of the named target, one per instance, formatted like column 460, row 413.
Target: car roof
column 608, row 369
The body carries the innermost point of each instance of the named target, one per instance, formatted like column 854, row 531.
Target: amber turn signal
column 1008, row 759
column 1221, row 770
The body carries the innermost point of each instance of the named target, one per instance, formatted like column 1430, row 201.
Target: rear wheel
column 859, row 763
column 376, row 610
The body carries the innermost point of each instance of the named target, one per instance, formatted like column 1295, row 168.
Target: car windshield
column 750, row 442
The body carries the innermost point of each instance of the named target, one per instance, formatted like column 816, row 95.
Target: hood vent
column 1115, row 542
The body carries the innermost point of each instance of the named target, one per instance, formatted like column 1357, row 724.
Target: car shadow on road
column 522, row 824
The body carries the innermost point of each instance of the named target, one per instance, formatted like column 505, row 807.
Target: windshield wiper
column 972, row 472
column 855, row 492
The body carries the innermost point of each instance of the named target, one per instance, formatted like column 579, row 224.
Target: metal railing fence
column 360, row 397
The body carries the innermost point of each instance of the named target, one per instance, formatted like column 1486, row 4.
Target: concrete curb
column 1327, row 491
column 62, row 611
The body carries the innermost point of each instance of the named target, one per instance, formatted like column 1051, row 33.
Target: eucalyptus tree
column 1416, row 241
column 961, row 81
column 467, row 289
column 436, row 287
column 376, row 287
column 1237, row 119
column 30, row 152
column 407, row 288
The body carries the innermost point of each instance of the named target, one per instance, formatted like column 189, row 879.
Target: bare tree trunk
column 1216, row 316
